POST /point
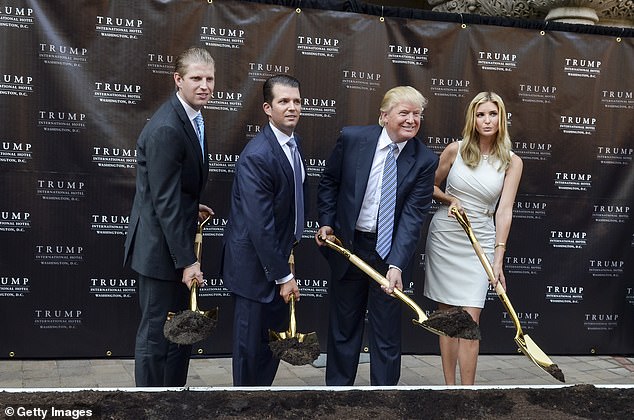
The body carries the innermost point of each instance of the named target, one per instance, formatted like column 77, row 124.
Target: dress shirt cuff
column 284, row 279
column 395, row 267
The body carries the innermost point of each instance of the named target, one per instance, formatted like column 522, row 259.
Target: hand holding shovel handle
column 525, row 343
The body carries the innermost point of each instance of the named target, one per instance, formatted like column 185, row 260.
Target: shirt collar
column 282, row 138
column 191, row 112
column 384, row 141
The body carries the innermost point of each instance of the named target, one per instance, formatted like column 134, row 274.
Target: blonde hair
column 400, row 94
column 501, row 148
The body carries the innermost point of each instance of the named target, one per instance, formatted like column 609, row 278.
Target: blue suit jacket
column 171, row 175
column 343, row 184
column 259, row 234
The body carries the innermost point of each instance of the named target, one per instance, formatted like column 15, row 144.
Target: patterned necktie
column 201, row 132
column 299, row 189
column 385, row 224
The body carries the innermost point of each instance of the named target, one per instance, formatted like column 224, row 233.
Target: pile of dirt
column 569, row 402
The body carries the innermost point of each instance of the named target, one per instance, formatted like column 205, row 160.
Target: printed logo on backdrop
column 15, row 221
column 610, row 213
column 313, row 287
column 62, row 55
column 629, row 295
column 437, row 144
column 112, row 287
column 608, row 155
column 360, row 80
column 421, row 261
column 109, row 224
column 221, row 163
column 540, row 94
column 252, row 130
column 119, row 27
column 310, row 229
column 528, row 320
column 564, row 294
column 222, row 37
column 259, row 72
column 14, row 287
column 160, row 63
column 319, row 107
column 117, row 93
column 317, row 46
column 225, row 101
column 60, row 319
column 526, row 265
column 600, row 322
column 16, row 85
column 530, row 150
column 16, row 17
column 314, row 166
column 15, row 152
column 408, row 54
column 497, row 61
column 61, row 190
column 581, row 67
column 456, row 88
column 61, row 121
column 114, row 157
column 617, row 99
column 573, row 181
column 213, row 287
column 59, row 255
column 568, row 239
column 606, row 268
column 569, row 124
column 215, row 227
column 534, row 210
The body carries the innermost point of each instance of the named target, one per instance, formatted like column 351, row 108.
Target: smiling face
column 487, row 120
column 284, row 108
column 196, row 84
column 402, row 121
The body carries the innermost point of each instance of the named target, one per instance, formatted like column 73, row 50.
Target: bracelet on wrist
column 502, row 244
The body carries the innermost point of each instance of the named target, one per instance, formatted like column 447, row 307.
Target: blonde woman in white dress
column 482, row 176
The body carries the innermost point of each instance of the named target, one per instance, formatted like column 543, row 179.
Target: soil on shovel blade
column 569, row 402
column 455, row 322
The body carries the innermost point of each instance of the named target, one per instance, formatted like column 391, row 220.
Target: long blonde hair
column 501, row 148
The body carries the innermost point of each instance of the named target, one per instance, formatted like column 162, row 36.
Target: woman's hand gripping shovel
column 456, row 323
column 191, row 325
column 525, row 343
column 291, row 346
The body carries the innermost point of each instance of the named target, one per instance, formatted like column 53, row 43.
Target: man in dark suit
column 351, row 206
column 266, row 220
column 172, row 170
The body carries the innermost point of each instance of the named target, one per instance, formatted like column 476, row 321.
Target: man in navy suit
column 348, row 203
column 265, row 222
column 172, row 169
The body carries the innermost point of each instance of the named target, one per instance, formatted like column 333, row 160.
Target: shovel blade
column 537, row 356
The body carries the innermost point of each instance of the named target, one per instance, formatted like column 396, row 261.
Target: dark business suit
column 340, row 197
column 171, row 174
column 258, row 240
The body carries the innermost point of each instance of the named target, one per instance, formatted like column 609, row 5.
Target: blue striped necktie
column 200, row 125
column 385, row 224
column 299, row 189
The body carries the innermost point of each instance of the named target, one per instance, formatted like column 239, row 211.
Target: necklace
column 485, row 157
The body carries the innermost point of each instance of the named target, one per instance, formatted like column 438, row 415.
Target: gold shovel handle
column 198, row 248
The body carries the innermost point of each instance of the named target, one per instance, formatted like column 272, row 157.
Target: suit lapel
column 192, row 137
column 279, row 154
column 405, row 162
column 365, row 156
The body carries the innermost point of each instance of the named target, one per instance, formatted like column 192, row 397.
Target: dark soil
column 189, row 327
column 296, row 352
column 572, row 402
column 455, row 322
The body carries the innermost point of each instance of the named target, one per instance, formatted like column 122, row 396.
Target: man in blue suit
column 349, row 201
column 265, row 222
column 172, row 169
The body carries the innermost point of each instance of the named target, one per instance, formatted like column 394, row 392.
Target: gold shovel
column 192, row 325
column 525, row 343
column 459, row 325
column 291, row 346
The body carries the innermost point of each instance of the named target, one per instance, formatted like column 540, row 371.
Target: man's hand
column 192, row 274
column 289, row 288
column 394, row 277
column 324, row 232
column 204, row 212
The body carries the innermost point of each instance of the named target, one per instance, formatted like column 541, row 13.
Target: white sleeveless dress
column 453, row 273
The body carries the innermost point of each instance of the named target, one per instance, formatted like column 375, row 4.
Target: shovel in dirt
column 291, row 346
column 455, row 323
column 525, row 343
column 191, row 325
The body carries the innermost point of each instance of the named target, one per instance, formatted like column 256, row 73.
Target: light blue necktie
column 385, row 224
column 201, row 132
column 299, row 189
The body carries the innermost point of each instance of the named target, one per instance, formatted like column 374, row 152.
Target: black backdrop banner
column 79, row 79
